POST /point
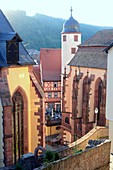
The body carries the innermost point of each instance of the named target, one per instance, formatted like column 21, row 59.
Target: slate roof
column 92, row 57
column 91, row 53
column 7, row 33
column 108, row 48
column 101, row 38
column 70, row 26
column 50, row 60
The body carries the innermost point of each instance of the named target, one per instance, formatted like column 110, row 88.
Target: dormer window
column 12, row 52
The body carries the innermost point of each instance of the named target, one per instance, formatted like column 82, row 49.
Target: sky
column 94, row 12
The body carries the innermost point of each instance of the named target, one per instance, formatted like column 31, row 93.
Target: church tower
column 70, row 39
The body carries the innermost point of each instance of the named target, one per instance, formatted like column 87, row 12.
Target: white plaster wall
column 1, row 136
column 111, row 134
column 109, row 98
column 66, row 47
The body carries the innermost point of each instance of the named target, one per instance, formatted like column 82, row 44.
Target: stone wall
column 91, row 159
column 96, row 133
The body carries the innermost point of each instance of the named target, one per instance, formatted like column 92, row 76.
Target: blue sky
column 94, row 12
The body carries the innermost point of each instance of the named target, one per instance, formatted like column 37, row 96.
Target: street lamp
column 96, row 112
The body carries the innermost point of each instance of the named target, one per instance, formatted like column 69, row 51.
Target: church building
column 21, row 99
column 84, row 85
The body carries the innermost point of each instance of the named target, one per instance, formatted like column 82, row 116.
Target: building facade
column 50, row 68
column 21, row 99
column 70, row 39
column 50, row 64
column 109, row 105
column 84, row 88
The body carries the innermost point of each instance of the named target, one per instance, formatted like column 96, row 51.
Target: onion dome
column 71, row 25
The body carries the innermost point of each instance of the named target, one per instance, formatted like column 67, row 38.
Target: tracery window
column 99, row 98
column 18, row 147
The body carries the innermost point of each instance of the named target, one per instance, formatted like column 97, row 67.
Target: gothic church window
column 18, row 146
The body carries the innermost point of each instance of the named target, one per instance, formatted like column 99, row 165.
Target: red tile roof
column 50, row 60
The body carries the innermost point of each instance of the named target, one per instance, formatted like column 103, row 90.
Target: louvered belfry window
column 12, row 52
column 18, row 149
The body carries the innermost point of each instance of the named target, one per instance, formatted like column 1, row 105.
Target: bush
column 18, row 167
column 77, row 150
column 50, row 156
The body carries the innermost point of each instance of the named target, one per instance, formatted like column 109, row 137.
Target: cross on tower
column 71, row 10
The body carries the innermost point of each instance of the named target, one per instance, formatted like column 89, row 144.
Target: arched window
column 99, row 98
column 18, row 105
column 67, row 120
column 58, row 128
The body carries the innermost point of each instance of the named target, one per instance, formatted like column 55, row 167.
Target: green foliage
column 41, row 31
column 76, row 150
column 51, row 156
column 18, row 167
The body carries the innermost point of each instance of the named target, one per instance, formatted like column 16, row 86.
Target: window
column 64, row 37
column 12, row 52
column 18, row 146
column 73, row 50
column 49, row 95
column 58, row 107
column 67, row 120
column 51, row 105
column 55, row 95
column 55, row 84
column 75, row 37
column 58, row 128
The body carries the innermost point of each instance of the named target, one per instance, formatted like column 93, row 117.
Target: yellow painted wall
column 19, row 76
column 52, row 130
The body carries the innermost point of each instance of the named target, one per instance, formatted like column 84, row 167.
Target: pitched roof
column 92, row 57
column 109, row 47
column 36, row 71
column 50, row 60
column 91, row 53
column 24, row 57
column 37, row 84
column 101, row 38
